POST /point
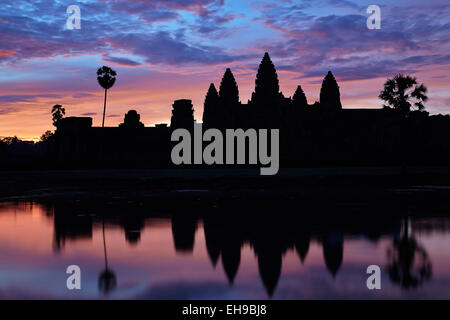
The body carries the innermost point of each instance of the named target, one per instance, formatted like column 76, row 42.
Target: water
column 165, row 256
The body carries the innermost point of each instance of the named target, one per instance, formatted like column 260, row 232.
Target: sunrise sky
column 165, row 50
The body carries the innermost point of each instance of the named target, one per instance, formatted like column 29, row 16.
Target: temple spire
column 299, row 98
column 228, row 101
column 228, row 91
column 210, row 107
column 330, row 98
column 266, row 85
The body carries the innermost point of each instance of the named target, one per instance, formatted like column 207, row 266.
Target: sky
column 164, row 50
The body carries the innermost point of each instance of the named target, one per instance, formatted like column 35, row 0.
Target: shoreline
column 219, row 182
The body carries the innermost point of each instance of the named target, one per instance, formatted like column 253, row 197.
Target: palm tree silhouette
column 106, row 77
column 409, row 265
column 403, row 92
column 107, row 280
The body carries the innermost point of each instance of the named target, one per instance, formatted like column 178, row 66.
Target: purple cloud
column 14, row 98
column 162, row 47
column 122, row 61
column 342, row 43
column 82, row 95
column 38, row 31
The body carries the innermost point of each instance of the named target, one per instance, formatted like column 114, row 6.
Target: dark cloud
column 40, row 31
column 427, row 59
column 213, row 20
column 6, row 110
column 82, row 95
column 150, row 11
column 13, row 98
column 7, row 102
column 162, row 47
column 122, row 61
column 345, row 4
column 157, row 16
column 343, row 43
column 410, row 37
column 143, row 5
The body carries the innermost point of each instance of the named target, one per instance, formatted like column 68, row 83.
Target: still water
column 163, row 257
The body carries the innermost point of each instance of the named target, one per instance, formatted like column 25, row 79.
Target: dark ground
column 183, row 188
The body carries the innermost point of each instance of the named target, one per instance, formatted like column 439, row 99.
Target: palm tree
column 106, row 77
column 409, row 265
column 401, row 91
column 107, row 280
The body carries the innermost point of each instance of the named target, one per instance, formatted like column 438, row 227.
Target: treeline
column 19, row 154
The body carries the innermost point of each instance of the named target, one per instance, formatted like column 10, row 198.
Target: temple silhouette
column 323, row 133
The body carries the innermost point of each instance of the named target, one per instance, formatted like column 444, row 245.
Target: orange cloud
column 7, row 52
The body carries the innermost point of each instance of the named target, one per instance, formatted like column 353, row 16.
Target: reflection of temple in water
column 69, row 226
column 269, row 239
column 333, row 251
column 183, row 231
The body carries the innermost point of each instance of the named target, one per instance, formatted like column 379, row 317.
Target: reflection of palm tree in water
column 107, row 280
column 409, row 265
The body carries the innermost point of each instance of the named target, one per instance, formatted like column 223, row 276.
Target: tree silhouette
column 267, row 87
column 330, row 97
column 409, row 265
column 11, row 140
column 210, row 107
column 58, row 112
column 402, row 93
column 46, row 136
column 106, row 77
column 299, row 98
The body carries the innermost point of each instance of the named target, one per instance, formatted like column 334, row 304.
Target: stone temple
column 321, row 134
